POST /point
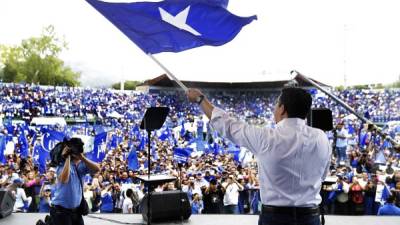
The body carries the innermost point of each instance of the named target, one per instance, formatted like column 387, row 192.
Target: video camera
column 74, row 144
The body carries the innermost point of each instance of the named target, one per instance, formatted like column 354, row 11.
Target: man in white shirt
column 341, row 143
column 199, row 183
column 127, row 206
column 293, row 158
column 231, row 197
column 21, row 201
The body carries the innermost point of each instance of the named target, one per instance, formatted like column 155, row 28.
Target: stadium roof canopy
column 163, row 82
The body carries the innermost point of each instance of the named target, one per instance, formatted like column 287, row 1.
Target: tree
column 36, row 60
column 396, row 84
column 128, row 85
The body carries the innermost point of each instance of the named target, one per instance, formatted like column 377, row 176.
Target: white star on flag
column 179, row 20
column 36, row 157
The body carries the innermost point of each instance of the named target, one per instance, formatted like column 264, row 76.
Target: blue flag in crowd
column 35, row 153
column 385, row 193
column 142, row 143
column 200, row 145
column 40, row 156
column 183, row 131
column 23, row 145
column 99, row 148
column 133, row 162
column 173, row 25
column 165, row 135
column 216, row 148
column 2, row 148
column 235, row 151
column 9, row 127
column 114, row 141
column 181, row 155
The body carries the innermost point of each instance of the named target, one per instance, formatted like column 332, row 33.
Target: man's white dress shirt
column 293, row 158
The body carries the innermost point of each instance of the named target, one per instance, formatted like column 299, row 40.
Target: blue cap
column 18, row 181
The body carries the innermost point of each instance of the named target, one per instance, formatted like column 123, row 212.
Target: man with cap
column 213, row 197
column 293, row 158
column 199, row 183
column 22, row 202
column 45, row 199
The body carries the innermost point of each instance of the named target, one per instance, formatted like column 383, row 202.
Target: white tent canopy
column 49, row 121
column 115, row 114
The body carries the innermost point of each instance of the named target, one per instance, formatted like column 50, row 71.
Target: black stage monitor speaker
column 320, row 118
column 167, row 206
column 7, row 201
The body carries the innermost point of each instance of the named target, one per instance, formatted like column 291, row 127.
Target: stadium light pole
column 297, row 74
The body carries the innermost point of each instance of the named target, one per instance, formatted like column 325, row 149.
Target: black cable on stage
column 113, row 221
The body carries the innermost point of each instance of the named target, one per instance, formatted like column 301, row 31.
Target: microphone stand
column 153, row 119
column 180, row 191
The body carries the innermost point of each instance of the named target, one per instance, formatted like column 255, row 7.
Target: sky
column 341, row 42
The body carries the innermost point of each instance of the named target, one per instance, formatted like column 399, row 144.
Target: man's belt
column 289, row 210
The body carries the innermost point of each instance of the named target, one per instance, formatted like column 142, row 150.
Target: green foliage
column 36, row 60
column 395, row 84
column 340, row 88
column 128, row 85
column 369, row 86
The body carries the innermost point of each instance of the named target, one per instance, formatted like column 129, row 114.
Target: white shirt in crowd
column 20, row 198
column 293, row 158
column 198, row 184
column 88, row 195
column 342, row 142
column 127, row 206
column 231, row 196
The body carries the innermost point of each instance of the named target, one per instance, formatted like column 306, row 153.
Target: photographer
column 213, row 198
column 231, row 197
column 68, row 190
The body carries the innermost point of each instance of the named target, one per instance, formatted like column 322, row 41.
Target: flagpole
column 396, row 145
column 168, row 72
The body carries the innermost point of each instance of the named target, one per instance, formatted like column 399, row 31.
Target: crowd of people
column 218, row 176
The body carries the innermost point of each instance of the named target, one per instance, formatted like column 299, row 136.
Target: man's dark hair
column 296, row 101
column 129, row 193
column 213, row 182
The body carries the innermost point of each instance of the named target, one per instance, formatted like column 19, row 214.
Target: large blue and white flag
column 181, row 155
column 99, row 148
column 51, row 138
column 174, row 25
